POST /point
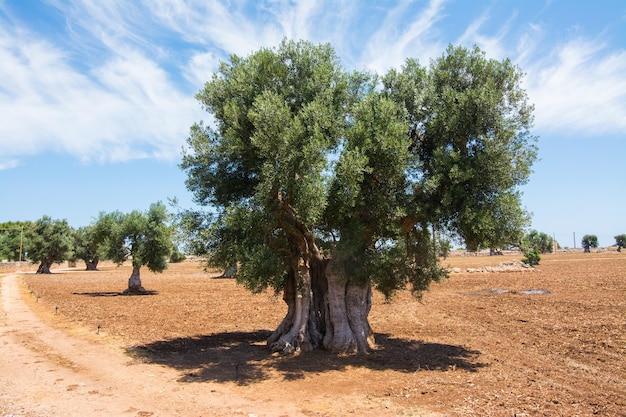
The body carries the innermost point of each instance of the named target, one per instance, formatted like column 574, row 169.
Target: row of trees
column 535, row 243
column 144, row 238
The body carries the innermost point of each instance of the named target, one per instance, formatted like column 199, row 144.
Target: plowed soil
column 549, row 341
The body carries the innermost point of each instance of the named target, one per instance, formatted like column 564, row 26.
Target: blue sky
column 97, row 97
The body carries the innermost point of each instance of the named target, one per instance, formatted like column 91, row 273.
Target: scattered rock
column 510, row 266
column 539, row 291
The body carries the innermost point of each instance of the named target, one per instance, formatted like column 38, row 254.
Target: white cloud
column 296, row 21
column 392, row 43
column 200, row 68
column 117, row 81
column 126, row 108
column 579, row 89
column 8, row 163
column 215, row 25
column 492, row 45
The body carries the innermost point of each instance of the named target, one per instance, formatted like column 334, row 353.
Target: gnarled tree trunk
column 91, row 265
column 44, row 267
column 349, row 306
column 134, row 282
column 324, row 310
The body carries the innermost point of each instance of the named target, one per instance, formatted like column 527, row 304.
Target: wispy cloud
column 116, row 80
column 215, row 25
column 493, row 45
column 125, row 108
column 580, row 89
column 393, row 42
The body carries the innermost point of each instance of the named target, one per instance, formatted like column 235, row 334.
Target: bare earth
column 478, row 344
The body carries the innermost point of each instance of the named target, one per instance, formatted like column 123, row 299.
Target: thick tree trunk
column 91, row 265
column 134, row 282
column 295, row 331
column 324, row 310
column 44, row 267
column 349, row 305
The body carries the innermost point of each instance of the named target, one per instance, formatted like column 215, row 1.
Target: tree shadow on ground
column 244, row 358
column 115, row 293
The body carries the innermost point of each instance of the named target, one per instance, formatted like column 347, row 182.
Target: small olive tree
column 540, row 241
column 620, row 241
column 89, row 246
column 48, row 241
column 145, row 238
column 589, row 241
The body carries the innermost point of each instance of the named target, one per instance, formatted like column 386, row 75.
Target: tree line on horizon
column 146, row 238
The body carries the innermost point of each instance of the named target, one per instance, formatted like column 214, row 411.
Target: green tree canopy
column 589, row 241
column 539, row 241
column 326, row 183
column 143, row 237
column 620, row 241
column 89, row 245
column 12, row 240
column 48, row 241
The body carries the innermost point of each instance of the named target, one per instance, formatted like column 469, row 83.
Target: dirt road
column 46, row 372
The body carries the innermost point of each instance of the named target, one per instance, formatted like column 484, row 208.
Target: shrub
column 531, row 257
column 176, row 256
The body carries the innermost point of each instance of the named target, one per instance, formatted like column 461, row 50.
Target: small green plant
column 444, row 247
column 531, row 257
column 177, row 256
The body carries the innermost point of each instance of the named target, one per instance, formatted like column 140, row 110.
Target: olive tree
column 48, row 241
column 542, row 242
column 12, row 240
column 620, row 242
column 145, row 238
column 588, row 242
column 325, row 184
column 89, row 245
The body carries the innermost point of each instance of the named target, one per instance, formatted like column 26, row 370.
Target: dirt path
column 46, row 372
column 49, row 371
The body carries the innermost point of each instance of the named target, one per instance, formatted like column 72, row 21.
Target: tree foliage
column 542, row 242
column 326, row 183
column 48, row 241
column 531, row 256
column 589, row 241
column 620, row 241
column 145, row 238
column 89, row 246
column 12, row 240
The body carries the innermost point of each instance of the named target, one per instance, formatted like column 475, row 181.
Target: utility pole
column 574, row 240
column 21, row 239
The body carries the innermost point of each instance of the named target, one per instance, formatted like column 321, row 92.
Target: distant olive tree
column 620, row 241
column 48, row 241
column 145, row 238
column 540, row 241
column 12, row 240
column 589, row 241
column 89, row 245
